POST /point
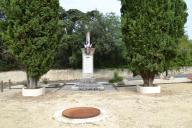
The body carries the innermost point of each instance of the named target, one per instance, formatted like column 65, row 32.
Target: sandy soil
column 125, row 108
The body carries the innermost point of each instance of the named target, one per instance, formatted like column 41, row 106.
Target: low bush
column 116, row 78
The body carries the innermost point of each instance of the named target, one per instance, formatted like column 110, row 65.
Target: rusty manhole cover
column 81, row 112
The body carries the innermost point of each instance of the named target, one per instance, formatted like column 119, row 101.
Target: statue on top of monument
column 88, row 44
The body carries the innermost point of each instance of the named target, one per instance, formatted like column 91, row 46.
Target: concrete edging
column 33, row 92
column 148, row 90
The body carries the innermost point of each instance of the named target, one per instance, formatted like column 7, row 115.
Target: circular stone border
column 61, row 119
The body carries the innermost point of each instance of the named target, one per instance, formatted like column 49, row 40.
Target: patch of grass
column 45, row 80
column 116, row 78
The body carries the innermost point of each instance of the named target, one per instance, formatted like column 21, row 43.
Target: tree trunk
column 148, row 78
column 27, row 80
column 32, row 82
column 166, row 73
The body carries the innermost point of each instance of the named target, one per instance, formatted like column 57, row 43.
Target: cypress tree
column 31, row 33
column 151, row 31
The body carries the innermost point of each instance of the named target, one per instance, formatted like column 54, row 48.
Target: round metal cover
column 81, row 112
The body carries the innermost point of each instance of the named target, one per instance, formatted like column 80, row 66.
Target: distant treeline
column 106, row 37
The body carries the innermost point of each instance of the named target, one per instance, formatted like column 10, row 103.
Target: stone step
column 88, row 88
column 87, row 80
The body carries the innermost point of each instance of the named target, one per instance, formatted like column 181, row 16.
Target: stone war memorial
column 88, row 82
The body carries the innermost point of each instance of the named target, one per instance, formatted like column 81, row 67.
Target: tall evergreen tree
column 151, row 31
column 31, row 32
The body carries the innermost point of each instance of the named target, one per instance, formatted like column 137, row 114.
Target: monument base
column 88, row 84
column 88, row 88
column 87, row 63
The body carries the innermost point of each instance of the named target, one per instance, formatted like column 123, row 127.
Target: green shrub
column 45, row 80
column 116, row 78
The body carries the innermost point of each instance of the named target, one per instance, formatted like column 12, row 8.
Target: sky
column 107, row 6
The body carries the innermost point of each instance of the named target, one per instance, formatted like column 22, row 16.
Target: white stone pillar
column 88, row 62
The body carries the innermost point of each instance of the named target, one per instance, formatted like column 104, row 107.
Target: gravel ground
column 124, row 108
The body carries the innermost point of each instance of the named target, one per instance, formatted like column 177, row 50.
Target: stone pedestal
column 88, row 62
column 87, row 82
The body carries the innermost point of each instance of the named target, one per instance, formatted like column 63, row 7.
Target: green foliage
column 105, row 36
column 1, row 15
column 69, row 54
column 184, row 57
column 31, row 32
column 116, row 78
column 107, row 39
column 7, row 61
column 45, row 81
column 151, row 31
